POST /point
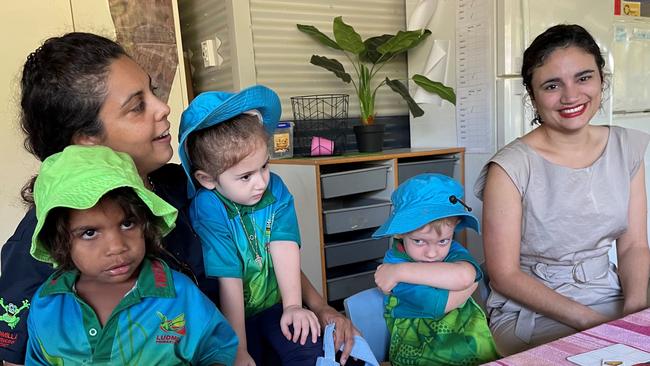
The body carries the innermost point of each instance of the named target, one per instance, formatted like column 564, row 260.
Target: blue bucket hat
column 425, row 198
column 213, row 107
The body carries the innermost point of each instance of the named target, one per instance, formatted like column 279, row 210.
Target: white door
column 520, row 21
column 513, row 112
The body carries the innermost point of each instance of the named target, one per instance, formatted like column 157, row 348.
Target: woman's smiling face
column 567, row 89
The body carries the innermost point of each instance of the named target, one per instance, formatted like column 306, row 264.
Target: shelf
column 341, row 215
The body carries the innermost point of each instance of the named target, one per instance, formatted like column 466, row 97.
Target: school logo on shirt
column 11, row 312
column 7, row 339
column 175, row 325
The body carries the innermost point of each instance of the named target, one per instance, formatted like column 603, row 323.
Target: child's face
column 245, row 182
column 427, row 245
column 107, row 247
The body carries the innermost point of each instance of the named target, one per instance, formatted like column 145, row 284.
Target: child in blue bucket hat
column 428, row 278
column 111, row 300
column 246, row 219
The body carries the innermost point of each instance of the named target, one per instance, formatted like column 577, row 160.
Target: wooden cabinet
column 341, row 200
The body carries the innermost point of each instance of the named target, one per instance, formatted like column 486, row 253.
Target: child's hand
column 303, row 321
column 243, row 358
column 386, row 277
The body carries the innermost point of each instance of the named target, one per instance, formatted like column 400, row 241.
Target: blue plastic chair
column 366, row 311
column 484, row 288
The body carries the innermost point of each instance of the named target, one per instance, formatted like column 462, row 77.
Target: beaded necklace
column 253, row 243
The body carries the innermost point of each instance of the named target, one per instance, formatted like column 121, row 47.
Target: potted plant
column 368, row 57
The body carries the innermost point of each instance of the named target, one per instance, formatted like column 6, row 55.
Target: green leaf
column 318, row 35
column 347, row 37
column 371, row 54
column 425, row 33
column 331, row 65
column 399, row 88
column 436, row 87
column 403, row 41
column 366, row 96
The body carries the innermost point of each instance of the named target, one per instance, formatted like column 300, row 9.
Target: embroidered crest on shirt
column 175, row 325
column 11, row 312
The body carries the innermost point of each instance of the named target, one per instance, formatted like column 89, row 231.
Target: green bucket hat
column 79, row 176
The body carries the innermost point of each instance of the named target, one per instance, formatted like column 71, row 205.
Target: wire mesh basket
column 320, row 115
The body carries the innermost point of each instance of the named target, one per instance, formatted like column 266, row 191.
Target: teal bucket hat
column 213, row 107
column 78, row 177
column 425, row 198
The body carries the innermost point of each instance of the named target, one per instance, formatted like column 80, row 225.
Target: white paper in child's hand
column 614, row 353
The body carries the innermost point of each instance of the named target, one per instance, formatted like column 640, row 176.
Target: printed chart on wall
column 474, row 94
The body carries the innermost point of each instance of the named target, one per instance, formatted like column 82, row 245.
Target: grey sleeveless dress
column 570, row 219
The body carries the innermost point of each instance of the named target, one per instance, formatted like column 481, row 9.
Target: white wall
column 23, row 26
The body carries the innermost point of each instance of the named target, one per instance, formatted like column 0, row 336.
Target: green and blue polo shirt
column 163, row 320
column 421, row 333
column 233, row 236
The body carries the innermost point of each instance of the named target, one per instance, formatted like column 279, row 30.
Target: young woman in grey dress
column 556, row 199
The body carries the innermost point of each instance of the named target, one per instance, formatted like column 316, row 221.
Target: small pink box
column 321, row 146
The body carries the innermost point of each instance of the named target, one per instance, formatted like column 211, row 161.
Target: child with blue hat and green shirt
column 111, row 301
column 246, row 219
column 429, row 278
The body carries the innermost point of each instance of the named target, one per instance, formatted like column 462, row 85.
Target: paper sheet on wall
column 473, row 78
column 436, row 65
column 436, row 70
column 422, row 14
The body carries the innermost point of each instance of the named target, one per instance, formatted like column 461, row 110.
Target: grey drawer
column 355, row 251
column 407, row 170
column 347, row 215
column 342, row 287
column 353, row 181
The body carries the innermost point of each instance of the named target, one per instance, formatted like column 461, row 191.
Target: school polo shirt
column 223, row 225
column 420, row 301
column 163, row 320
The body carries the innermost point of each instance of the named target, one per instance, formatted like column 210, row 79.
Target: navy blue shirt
column 22, row 275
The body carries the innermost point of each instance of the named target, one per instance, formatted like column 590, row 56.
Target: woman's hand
column 344, row 330
column 631, row 307
column 326, row 314
column 590, row 320
column 304, row 322
column 386, row 277
column 243, row 358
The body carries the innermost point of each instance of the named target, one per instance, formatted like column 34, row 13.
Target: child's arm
column 286, row 263
column 36, row 353
column 416, row 300
column 458, row 298
column 454, row 276
column 33, row 354
column 231, row 297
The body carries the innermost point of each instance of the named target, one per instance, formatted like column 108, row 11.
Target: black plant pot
column 370, row 138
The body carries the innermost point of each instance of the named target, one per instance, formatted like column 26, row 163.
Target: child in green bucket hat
column 428, row 278
column 111, row 300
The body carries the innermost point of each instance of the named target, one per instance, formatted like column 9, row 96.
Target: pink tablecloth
column 632, row 330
